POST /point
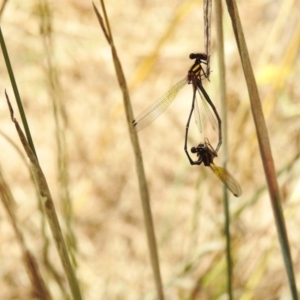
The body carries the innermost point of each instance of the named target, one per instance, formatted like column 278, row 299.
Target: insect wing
column 158, row 107
column 227, row 179
column 197, row 115
column 209, row 114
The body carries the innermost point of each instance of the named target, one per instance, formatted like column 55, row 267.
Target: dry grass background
column 112, row 256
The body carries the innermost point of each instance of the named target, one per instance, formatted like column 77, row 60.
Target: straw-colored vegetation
column 74, row 107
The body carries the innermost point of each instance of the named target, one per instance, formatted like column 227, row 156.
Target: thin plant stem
column 50, row 211
column 264, row 144
column 60, row 119
column 39, row 287
column 222, row 89
column 144, row 194
column 16, row 92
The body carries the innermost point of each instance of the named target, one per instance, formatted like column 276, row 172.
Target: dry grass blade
column 45, row 195
column 47, row 261
column 39, row 288
column 264, row 144
column 207, row 4
column 60, row 117
column 138, row 156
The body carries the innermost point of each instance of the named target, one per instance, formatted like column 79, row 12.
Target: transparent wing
column 158, row 107
column 210, row 115
column 197, row 116
column 227, row 179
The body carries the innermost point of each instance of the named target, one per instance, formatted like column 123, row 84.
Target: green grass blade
column 16, row 92
column 222, row 88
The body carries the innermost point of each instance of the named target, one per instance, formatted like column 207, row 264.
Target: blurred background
column 153, row 40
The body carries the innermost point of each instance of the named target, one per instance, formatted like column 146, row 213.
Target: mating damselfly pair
column 205, row 152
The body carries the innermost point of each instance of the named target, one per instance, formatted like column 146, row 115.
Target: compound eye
column 199, row 56
column 192, row 56
column 193, row 150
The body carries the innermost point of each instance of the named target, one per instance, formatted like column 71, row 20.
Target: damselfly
column 193, row 77
column 206, row 155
